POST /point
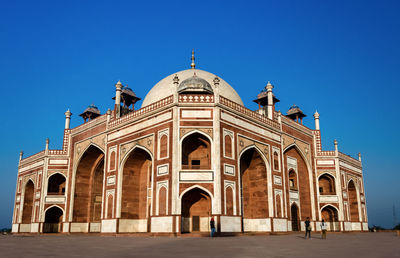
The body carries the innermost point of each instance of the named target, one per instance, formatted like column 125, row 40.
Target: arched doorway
column 56, row 185
column 253, row 188
column 294, row 216
column 52, row 221
column 89, row 187
column 352, row 193
column 196, row 211
column 28, row 203
column 326, row 185
column 330, row 216
column 196, row 152
column 135, row 184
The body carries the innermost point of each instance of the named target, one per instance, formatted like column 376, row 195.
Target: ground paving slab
column 385, row 244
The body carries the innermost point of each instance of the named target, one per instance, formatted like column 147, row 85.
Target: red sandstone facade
column 183, row 158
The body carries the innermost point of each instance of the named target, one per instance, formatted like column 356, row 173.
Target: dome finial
column 193, row 65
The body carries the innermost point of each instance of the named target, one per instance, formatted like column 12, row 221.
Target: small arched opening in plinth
column 52, row 221
column 196, row 211
column 330, row 216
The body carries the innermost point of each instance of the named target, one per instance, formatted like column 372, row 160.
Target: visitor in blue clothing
column 212, row 226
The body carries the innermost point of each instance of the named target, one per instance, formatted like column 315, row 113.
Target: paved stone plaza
column 293, row 245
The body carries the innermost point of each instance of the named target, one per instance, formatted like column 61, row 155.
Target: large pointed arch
column 305, row 181
column 255, row 188
column 73, row 181
column 121, row 172
column 353, row 197
column 88, row 186
column 27, row 208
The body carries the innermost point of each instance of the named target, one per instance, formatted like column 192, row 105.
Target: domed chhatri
column 195, row 84
column 192, row 152
column 91, row 112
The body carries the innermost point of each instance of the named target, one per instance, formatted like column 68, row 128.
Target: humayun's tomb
column 191, row 152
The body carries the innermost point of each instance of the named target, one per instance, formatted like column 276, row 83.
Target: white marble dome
column 166, row 87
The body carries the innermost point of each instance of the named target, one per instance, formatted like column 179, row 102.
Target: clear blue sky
column 340, row 57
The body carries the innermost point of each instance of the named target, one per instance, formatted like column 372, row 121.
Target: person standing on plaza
column 308, row 228
column 324, row 226
column 212, row 226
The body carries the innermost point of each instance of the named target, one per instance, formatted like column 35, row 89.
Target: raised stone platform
column 382, row 244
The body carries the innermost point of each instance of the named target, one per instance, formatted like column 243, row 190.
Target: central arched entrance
column 196, row 211
column 299, row 181
column 294, row 216
column 136, row 185
column 253, row 190
column 89, row 188
column 135, row 182
column 52, row 221
column 330, row 216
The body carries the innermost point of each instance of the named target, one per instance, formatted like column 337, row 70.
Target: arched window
column 229, row 201
column 276, row 160
column 292, row 180
column 278, row 201
column 39, row 180
column 228, row 146
column 110, row 202
column 162, row 201
column 196, row 152
column 326, row 185
column 164, row 146
column 56, row 184
column 112, row 160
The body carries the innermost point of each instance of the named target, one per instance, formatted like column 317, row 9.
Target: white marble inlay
column 196, row 176
column 293, row 195
column 277, row 180
column 162, row 170
column 328, row 198
column 58, row 162
column 55, row 199
column 342, row 164
column 229, row 170
column 111, row 180
column 325, row 162
column 196, row 113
